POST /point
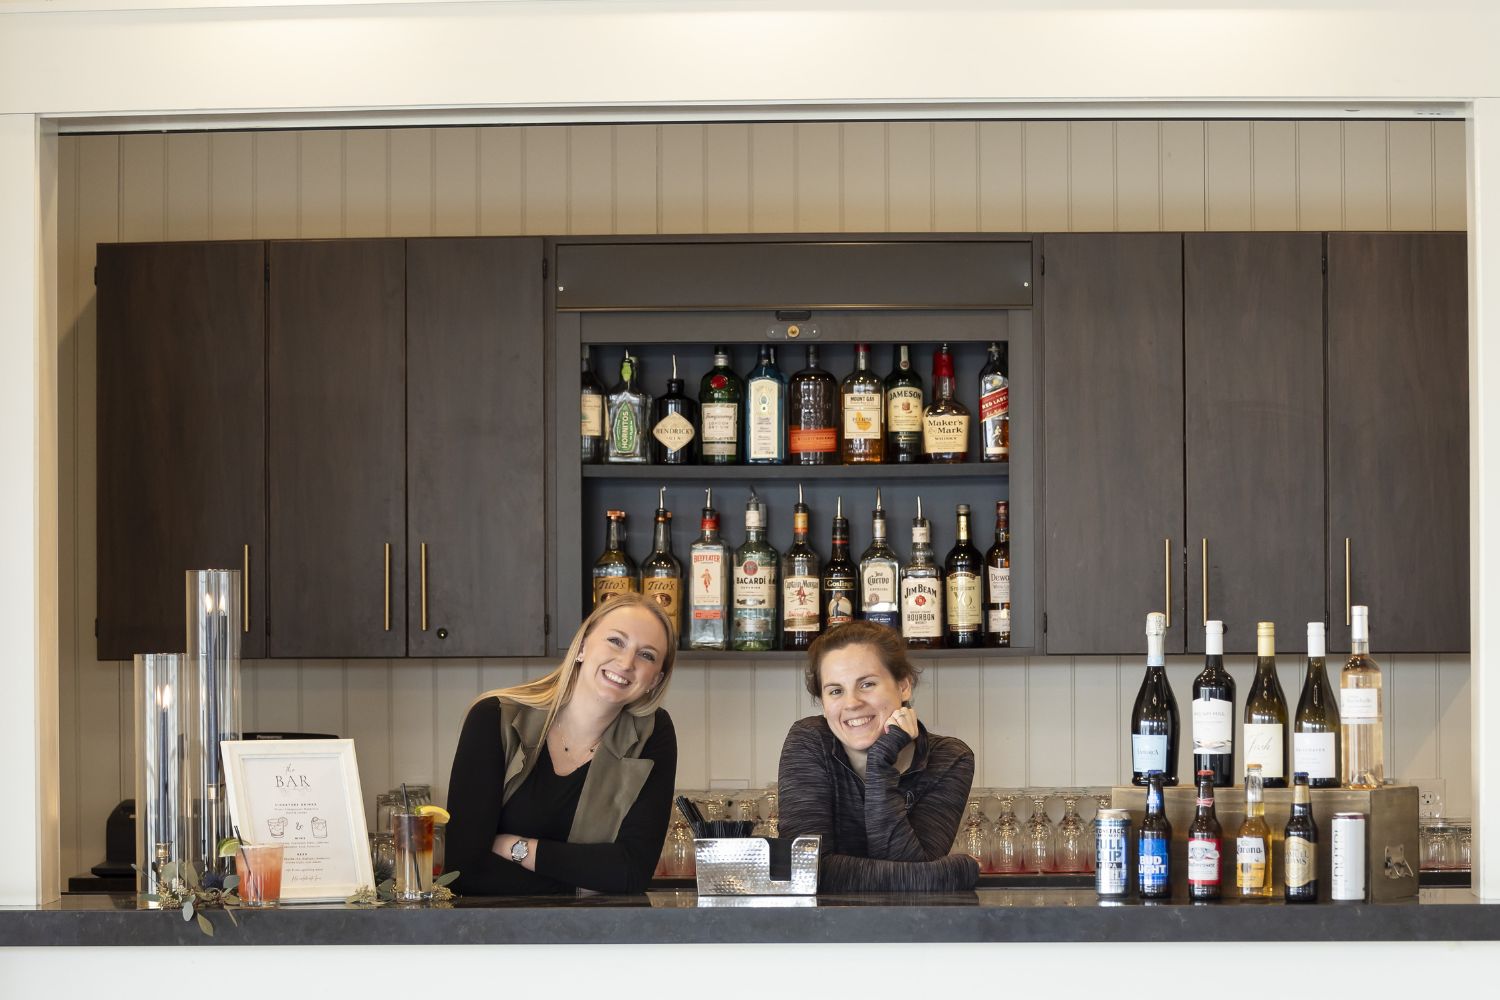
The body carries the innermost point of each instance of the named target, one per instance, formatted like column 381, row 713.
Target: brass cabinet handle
column 1166, row 562
column 387, row 586
column 424, row 586
column 246, row 587
column 1348, row 622
column 1205, row 581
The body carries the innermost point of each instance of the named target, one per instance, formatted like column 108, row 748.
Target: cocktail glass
column 260, row 873
column 413, row 836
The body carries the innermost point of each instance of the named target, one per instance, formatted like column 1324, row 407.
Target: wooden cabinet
column 1398, row 469
column 181, row 436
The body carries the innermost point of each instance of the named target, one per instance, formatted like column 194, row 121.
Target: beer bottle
column 1153, row 844
column 1205, row 844
column 1301, row 846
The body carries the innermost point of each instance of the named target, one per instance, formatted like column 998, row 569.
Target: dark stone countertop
column 681, row 917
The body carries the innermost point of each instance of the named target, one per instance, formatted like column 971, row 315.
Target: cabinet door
column 181, row 434
column 1398, row 441
column 337, row 448
column 475, row 448
column 1112, row 425
column 1253, row 371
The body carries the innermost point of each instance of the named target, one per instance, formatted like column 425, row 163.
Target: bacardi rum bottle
column 755, row 583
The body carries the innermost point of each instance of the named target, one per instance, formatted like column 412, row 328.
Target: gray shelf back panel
column 848, row 326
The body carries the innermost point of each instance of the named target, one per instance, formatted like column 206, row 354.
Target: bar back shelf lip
column 742, row 473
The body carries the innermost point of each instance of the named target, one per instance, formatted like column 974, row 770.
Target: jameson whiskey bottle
column 997, row 581
column 903, row 410
column 965, row 588
column 863, row 403
column 661, row 573
column 1265, row 712
column 1315, row 729
column 1361, row 709
column 720, row 398
column 755, row 583
column 674, row 431
column 1205, row 846
column 614, row 570
column 629, row 418
column 1154, row 723
column 765, row 412
column 994, row 406
column 922, row 589
column 945, row 422
column 1301, row 846
column 801, row 603
column 591, row 416
column 1252, row 845
column 880, row 575
column 812, row 422
column 1213, row 711
column 708, row 562
column 840, row 581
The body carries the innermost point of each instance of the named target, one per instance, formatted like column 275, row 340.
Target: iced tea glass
column 260, row 873
column 413, row 836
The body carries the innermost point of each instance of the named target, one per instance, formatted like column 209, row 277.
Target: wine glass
column 1039, row 834
column 771, row 825
column 1008, row 851
column 974, row 839
column 1072, row 838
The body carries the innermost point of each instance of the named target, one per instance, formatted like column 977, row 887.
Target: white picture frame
column 304, row 794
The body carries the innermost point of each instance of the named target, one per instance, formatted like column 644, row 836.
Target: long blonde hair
column 555, row 690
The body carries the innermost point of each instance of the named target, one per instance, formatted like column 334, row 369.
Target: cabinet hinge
column 96, row 628
column 1044, row 623
column 546, row 624
column 546, row 268
column 1325, row 263
column 1044, row 263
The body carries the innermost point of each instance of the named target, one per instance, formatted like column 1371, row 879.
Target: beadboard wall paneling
column 1043, row 721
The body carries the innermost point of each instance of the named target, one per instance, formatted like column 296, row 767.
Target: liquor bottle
column 863, row 404
column 591, row 416
column 801, row 603
column 1153, row 721
column 903, row 410
column 708, row 558
column 765, row 412
column 1361, row 709
column 922, row 590
column 994, row 405
column 812, row 415
column 720, row 396
column 1213, row 710
column 614, row 570
column 755, row 583
column 1301, row 846
column 661, row 573
column 629, row 418
column 1153, row 844
column 1265, row 712
column 997, row 581
column 1315, row 730
column 880, row 575
column 1205, row 845
column 964, row 593
column 945, row 421
column 674, row 430
column 840, row 581
column 1252, row 845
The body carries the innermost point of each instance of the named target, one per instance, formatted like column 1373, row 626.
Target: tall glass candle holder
column 214, row 625
column 163, row 710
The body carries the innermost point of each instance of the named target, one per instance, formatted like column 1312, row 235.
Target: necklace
column 590, row 750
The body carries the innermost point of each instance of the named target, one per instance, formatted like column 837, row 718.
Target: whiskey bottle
column 840, row 582
column 863, row 404
column 965, row 588
column 591, row 416
column 765, row 412
column 720, row 398
column 945, row 421
column 994, row 406
column 997, row 581
column 801, row 603
column 1154, row 723
column 812, row 424
column 614, row 570
column 880, row 575
column 755, row 583
column 1213, row 710
column 674, row 430
column 1252, row 844
column 629, row 418
column 661, row 573
column 1361, row 709
column 922, row 589
column 1265, row 712
column 903, row 410
column 708, row 560
column 1315, row 727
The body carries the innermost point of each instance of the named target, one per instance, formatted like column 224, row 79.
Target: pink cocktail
column 260, row 873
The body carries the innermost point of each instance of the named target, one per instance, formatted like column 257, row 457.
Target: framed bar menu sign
column 305, row 795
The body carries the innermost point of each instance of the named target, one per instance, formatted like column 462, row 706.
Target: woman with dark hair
column 565, row 782
column 885, row 795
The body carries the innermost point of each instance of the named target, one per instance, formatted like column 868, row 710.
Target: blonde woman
column 565, row 782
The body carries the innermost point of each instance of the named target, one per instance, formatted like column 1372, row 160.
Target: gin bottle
column 674, row 430
column 720, row 397
column 880, row 576
column 765, row 412
column 755, row 583
column 708, row 558
column 629, row 426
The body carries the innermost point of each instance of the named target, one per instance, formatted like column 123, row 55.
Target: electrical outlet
column 1431, row 793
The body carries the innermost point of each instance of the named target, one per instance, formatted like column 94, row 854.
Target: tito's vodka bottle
column 922, row 589
column 708, row 563
column 880, row 576
column 755, row 583
column 1154, row 723
column 1362, row 709
column 614, row 571
column 661, row 573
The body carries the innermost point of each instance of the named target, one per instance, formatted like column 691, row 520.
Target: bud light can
column 1111, row 875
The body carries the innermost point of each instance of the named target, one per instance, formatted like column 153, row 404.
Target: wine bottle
column 880, row 575
column 591, row 415
column 674, row 425
column 903, row 410
column 922, row 589
column 1315, row 729
column 840, row 581
column 661, row 573
column 801, row 603
column 994, row 406
column 1265, row 735
column 1205, row 849
column 720, row 397
column 1362, row 709
column 863, row 403
column 997, row 581
column 812, row 415
column 1252, row 845
column 965, row 588
column 945, row 422
column 1301, row 846
column 1213, row 710
column 1154, row 844
column 708, row 558
column 614, row 571
column 755, row 583
column 765, row 412
column 1153, row 721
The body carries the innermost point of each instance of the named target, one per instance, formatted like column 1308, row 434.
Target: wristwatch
column 520, row 850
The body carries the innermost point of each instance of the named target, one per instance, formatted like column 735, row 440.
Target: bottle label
column 665, row 591
column 879, row 585
column 963, row 602
column 921, row 534
column 799, row 603
column 994, row 403
column 1264, row 745
column 889, row 619
column 593, row 416
column 903, row 409
column 1203, row 861
column 1250, row 863
column 607, row 588
column 1316, row 753
column 1148, row 753
column 721, row 428
column 625, row 431
column 754, row 586
column 1152, row 865
column 998, row 620
column 945, row 433
column 999, row 584
column 839, row 604
column 921, row 608
column 708, row 585
column 765, row 422
column 1359, row 705
column 1301, row 862
column 674, row 431
column 1213, row 726
column 816, row 440
column 862, row 416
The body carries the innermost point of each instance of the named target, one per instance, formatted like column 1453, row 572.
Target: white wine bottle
column 1265, row 712
column 1362, row 709
column 1315, row 731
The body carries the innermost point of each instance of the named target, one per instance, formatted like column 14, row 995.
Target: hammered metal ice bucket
column 741, row 866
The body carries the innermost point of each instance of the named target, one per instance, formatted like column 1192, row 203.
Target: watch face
column 519, row 850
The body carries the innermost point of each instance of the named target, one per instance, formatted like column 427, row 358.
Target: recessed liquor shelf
column 874, row 474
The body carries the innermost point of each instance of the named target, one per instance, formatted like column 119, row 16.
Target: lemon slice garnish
column 438, row 813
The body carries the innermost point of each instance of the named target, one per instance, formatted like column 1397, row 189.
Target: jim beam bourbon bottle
column 922, row 589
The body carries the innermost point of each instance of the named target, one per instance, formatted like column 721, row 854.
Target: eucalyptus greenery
column 178, row 888
column 385, row 892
